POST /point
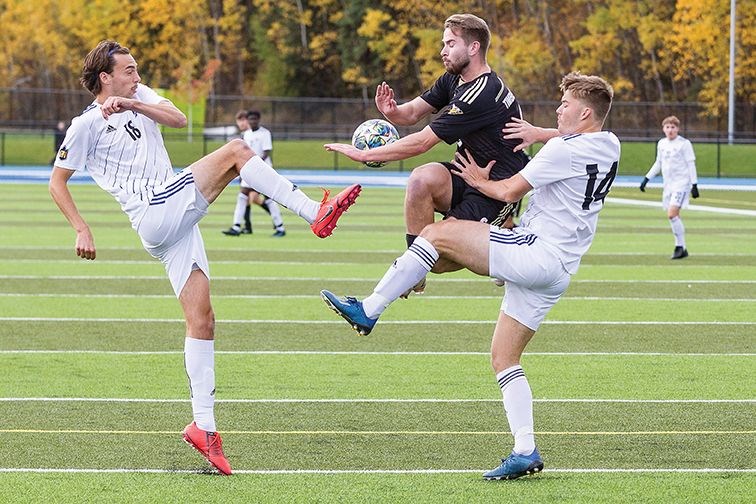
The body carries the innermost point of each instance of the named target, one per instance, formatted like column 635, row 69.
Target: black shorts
column 470, row 204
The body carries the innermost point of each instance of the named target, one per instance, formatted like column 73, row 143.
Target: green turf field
column 637, row 157
column 644, row 374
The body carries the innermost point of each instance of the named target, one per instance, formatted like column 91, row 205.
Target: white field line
column 338, row 353
column 315, row 296
column 701, row 208
column 247, row 279
column 383, row 322
column 69, row 470
column 381, row 433
column 146, row 262
column 156, row 263
column 355, row 252
column 365, row 400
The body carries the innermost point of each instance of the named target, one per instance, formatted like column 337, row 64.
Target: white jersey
column 677, row 163
column 124, row 154
column 571, row 175
column 259, row 141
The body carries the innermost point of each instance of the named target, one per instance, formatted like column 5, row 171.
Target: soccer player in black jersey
column 473, row 105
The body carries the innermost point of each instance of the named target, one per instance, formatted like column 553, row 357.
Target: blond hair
column 671, row 120
column 592, row 90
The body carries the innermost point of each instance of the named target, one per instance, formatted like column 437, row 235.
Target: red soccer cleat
column 209, row 444
column 331, row 209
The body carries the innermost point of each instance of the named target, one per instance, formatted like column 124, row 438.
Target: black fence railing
column 335, row 118
column 28, row 118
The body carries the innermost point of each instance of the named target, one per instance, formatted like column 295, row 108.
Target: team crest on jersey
column 63, row 153
column 454, row 110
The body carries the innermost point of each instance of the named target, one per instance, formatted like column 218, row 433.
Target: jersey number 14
column 593, row 193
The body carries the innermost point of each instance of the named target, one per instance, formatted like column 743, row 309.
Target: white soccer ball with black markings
column 374, row 133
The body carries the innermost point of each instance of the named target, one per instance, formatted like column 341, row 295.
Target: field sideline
column 643, row 374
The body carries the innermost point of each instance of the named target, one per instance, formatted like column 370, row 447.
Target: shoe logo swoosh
column 330, row 211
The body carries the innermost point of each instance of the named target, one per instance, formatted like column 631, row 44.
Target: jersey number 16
column 134, row 132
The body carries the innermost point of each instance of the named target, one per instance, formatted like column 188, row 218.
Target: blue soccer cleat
column 516, row 465
column 350, row 310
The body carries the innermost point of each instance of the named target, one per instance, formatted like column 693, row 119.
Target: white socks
column 199, row 360
column 241, row 207
column 518, row 405
column 264, row 179
column 678, row 229
column 275, row 213
column 404, row 274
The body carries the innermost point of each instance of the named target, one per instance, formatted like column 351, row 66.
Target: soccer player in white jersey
column 117, row 140
column 570, row 177
column 259, row 140
column 677, row 162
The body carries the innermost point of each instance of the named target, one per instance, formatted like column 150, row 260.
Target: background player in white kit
column 571, row 175
column 677, row 162
column 117, row 140
column 259, row 140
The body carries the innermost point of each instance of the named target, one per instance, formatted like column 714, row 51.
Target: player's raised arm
column 521, row 129
column 404, row 148
column 163, row 112
column 85, row 247
column 405, row 114
column 509, row 190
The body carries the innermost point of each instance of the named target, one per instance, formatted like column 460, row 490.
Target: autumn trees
column 651, row 50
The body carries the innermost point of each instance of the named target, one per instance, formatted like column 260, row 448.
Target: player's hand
column 115, row 104
column 643, row 184
column 522, row 130
column 85, row 247
column 469, row 171
column 384, row 99
column 348, row 150
column 694, row 191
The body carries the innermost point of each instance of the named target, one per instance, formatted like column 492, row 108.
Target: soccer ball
column 374, row 133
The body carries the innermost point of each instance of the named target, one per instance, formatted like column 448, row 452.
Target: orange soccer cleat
column 209, row 444
column 331, row 209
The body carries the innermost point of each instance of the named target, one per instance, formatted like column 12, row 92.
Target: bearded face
column 454, row 53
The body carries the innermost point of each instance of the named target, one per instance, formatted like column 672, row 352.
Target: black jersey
column 472, row 114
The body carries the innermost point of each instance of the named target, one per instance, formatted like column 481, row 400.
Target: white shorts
column 169, row 229
column 533, row 274
column 675, row 198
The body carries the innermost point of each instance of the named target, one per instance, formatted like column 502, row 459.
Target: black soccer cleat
column 679, row 253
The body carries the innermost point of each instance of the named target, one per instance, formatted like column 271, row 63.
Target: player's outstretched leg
column 350, row 310
column 322, row 216
column 515, row 466
column 209, row 445
column 331, row 209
